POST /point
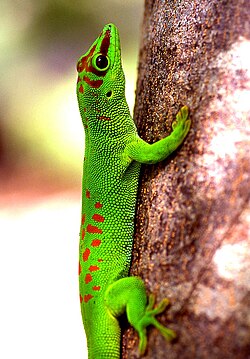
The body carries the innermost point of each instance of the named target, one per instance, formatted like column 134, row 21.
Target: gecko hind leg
column 129, row 294
column 149, row 319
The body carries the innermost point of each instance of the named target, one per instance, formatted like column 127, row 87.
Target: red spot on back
column 86, row 254
column 81, row 89
column 78, row 79
column 96, row 243
column 98, row 205
column 104, row 118
column 87, row 297
column 83, row 234
column 81, row 298
column 93, row 83
column 93, row 229
column 79, row 269
column 93, row 268
column 83, row 218
column 87, row 194
column 100, row 260
column 88, row 278
column 96, row 287
column 98, row 218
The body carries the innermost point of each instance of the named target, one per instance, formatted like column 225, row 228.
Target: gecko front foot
column 181, row 125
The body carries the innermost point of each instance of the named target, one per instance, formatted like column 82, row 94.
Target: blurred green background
column 41, row 152
column 41, row 135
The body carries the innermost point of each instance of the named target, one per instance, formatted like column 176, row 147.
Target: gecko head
column 100, row 70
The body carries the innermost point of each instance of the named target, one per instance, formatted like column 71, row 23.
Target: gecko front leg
column 144, row 152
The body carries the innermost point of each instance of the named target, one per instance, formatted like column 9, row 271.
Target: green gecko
column 113, row 156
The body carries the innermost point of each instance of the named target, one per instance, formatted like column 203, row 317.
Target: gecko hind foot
column 149, row 319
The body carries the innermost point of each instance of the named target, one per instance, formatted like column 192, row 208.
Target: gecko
column 113, row 156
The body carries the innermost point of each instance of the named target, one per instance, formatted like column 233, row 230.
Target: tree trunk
column 192, row 223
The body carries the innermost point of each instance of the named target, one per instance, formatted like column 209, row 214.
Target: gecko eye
column 101, row 62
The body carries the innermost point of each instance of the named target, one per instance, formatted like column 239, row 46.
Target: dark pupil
column 102, row 62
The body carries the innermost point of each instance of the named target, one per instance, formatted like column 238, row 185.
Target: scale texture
column 113, row 156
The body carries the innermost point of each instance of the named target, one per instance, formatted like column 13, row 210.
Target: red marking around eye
column 81, row 298
column 88, row 278
column 79, row 269
column 85, row 63
column 87, row 194
column 87, row 297
column 86, row 254
column 96, row 243
column 93, row 229
column 98, row 218
column 83, row 234
column 96, row 287
column 98, row 205
column 93, row 83
column 93, row 268
column 81, row 89
column 80, row 66
column 83, row 218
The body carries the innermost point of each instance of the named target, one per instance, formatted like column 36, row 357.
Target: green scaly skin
column 113, row 157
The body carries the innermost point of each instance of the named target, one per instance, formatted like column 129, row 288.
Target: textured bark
column 192, row 227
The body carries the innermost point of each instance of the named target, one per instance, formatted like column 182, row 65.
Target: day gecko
column 113, row 156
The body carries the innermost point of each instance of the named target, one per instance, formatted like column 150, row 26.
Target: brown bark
column 192, row 224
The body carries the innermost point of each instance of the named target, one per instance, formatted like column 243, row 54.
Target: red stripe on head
column 105, row 43
column 93, row 83
column 81, row 89
column 83, row 63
